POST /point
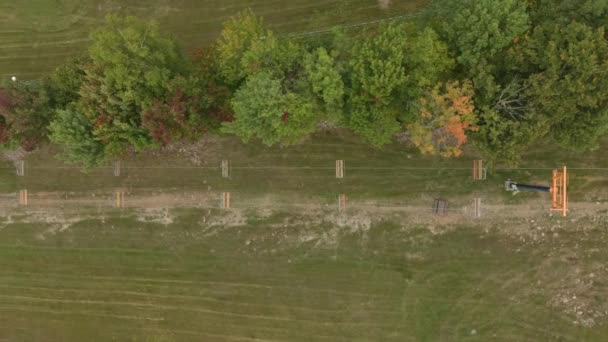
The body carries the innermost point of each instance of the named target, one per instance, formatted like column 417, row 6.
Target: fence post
column 225, row 200
column 117, row 168
column 479, row 171
column 20, row 166
column 339, row 168
column 120, row 199
column 226, row 169
column 341, row 202
column 477, row 207
column 23, row 198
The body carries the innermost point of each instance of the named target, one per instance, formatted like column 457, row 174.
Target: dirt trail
column 153, row 199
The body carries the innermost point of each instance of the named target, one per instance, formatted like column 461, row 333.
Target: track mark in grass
column 206, row 282
column 190, row 309
column 150, row 295
column 85, row 249
column 201, row 334
column 81, row 313
column 536, row 328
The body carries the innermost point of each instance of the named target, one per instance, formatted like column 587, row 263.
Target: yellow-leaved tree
column 447, row 113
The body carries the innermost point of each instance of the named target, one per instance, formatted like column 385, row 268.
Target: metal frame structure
column 440, row 207
column 559, row 191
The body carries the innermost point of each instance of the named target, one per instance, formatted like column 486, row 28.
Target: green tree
column 206, row 71
column 24, row 115
column 375, row 123
column 504, row 139
column 75, row 132
column 591, row 12
column 377, row 65
column 427, row 61
column 480, row 29
column 265, row 111
column 569, row 82
column 182, row 115
column 377, row 71
column 480, row 32
column 243, row 42
column 131, row 65
column 247, row 47
column 63, row 85
column 325, row 81
column 136, row 59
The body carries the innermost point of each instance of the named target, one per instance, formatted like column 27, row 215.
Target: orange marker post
column 559, row 191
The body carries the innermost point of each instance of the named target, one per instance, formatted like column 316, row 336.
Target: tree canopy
column 447, row 113
column 376, row 72
column 326, row 81
column 263, row 110
column 569, row 82
column 480, row 29
column 24, row 114
column 130, row 67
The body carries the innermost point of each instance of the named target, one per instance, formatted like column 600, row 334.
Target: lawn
column 283, row 264
column 393, row 176
column 285, row 278
column 273, row 272
column 38, row 35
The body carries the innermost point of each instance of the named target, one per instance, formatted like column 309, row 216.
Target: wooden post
column 23, row 198
column 20, row 165
column 226, row 169
column 120, row 199
column 342, row 202
column 117, row 168
column 477, row 207
column 479, row 172
column 225, row 200
column 339, row 168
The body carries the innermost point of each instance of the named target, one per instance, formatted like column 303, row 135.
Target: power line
column 348, row 27
column 244, row 167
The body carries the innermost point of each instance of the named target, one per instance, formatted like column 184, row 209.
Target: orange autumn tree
column 446, row 115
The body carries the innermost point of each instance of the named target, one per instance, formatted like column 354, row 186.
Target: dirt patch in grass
column 384, row 4
column 196, row 153
column 155, row 215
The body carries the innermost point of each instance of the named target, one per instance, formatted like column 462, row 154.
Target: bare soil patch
column 384, row 4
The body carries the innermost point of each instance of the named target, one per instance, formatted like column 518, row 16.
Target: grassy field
column 272, row 272
column 395, row 175
column 283, row 264
column 38, row 35
column 283, row 278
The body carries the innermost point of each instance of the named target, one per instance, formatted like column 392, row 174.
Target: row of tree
column 502, row 73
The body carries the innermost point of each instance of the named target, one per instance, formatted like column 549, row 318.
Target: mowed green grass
column 38, row 35
column 305, row 174
column 131, row 281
